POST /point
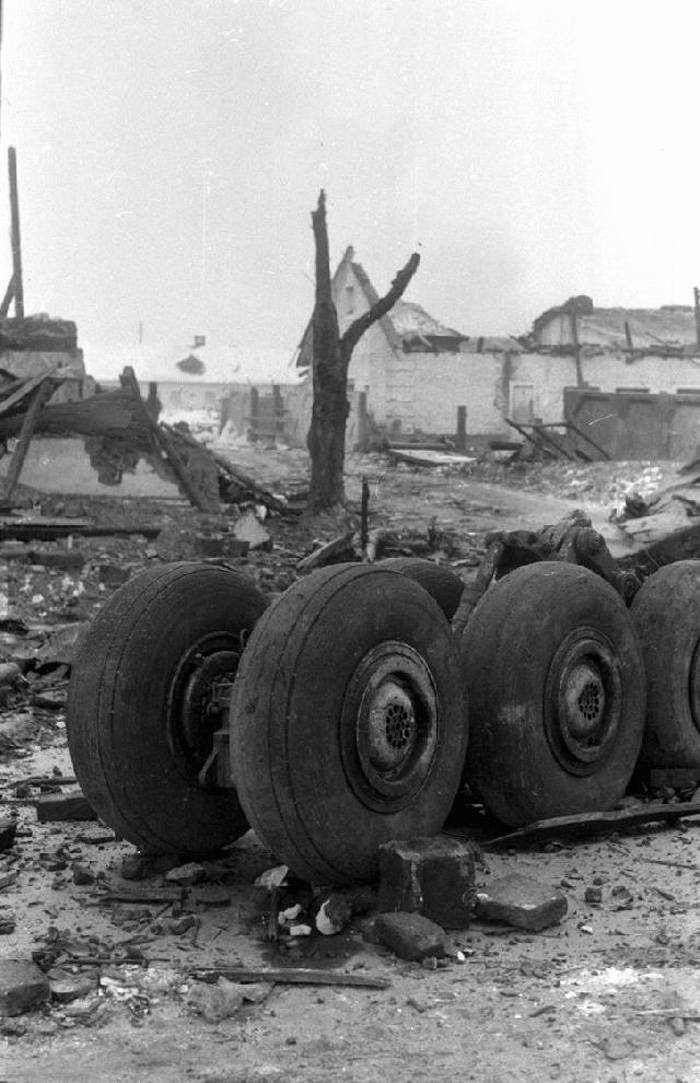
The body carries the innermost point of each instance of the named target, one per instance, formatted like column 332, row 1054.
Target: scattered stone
column 12, row 1028
column 84, row 1009
column 300, row 930
column 140, row 866
column 249, row 529
column 411, row 936
column 677, row 1025
column 333, row 915
column 22, row 986
column 256, row 992
column 429, row 876
column 593, row 895
column 8, row 830
column 66, row 987
column 216, row 1002
column 82, row 875
column 521, row 902
column 181, row 925
column 56, row 807
column 186, row 875
column 7, row 879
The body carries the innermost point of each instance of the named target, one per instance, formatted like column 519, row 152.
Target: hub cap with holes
column 583, row 701
column 390, row 725
column 199, row 698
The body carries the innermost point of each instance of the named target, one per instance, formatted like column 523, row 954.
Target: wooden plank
column 590, row 823
column 290, row 976
column 25, row 389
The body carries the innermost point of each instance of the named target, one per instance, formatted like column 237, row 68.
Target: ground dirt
column 610, row 993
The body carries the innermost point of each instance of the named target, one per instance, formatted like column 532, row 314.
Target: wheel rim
column 389, row 726
column 199, row 699
column 583, row 701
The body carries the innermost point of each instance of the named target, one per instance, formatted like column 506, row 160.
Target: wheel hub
column 199, row 699
column 583, row 700
column 389, row 727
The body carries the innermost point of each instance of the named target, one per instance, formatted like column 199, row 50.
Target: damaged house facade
column 628, row 378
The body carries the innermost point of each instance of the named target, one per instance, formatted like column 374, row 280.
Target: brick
column 521, row 902
column 22, row 986
column 429, row 876
column 8, row 830
column 54, row 807
column 411, row 936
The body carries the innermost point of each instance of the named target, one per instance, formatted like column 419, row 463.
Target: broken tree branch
column 398, row 287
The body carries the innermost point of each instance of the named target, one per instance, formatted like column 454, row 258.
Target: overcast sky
column 170, row 152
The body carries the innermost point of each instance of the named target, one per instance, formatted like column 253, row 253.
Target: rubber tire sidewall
column 506, row 649
column 441, row 583
column 286, row 714
column 666, row 611
column 117, row 702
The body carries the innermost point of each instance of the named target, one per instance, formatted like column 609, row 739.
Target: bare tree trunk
column 331, row 360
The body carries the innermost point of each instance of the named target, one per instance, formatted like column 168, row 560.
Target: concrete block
column 429, row 876
column 411, row 936
column 521, row 902
column 8, row 830
column 55, row 807
column 22, row 986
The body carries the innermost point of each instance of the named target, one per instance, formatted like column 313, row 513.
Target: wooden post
column 164, row 442
column 7, row 299
column 254, row 412
column 580, row 382
column 362, row 423
column 41, row 395
column 461, row 437
column 279, row 410
column 696, row 295
column 15, row 235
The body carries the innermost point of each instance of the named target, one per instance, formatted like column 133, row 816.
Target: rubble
column 22, row 986
column 8, row 831
column 55, row 807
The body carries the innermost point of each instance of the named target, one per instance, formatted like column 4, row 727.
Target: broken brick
column 411, row 936
column 429, row 876
column 521, row 902
column 22, row 986
column 8, row 830
column 55, row 807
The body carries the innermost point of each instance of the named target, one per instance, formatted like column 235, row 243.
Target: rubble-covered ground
column 610, row 992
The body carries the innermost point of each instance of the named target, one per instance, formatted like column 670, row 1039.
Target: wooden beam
column 15, row 234
column 41, row 395
column 167, row 445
